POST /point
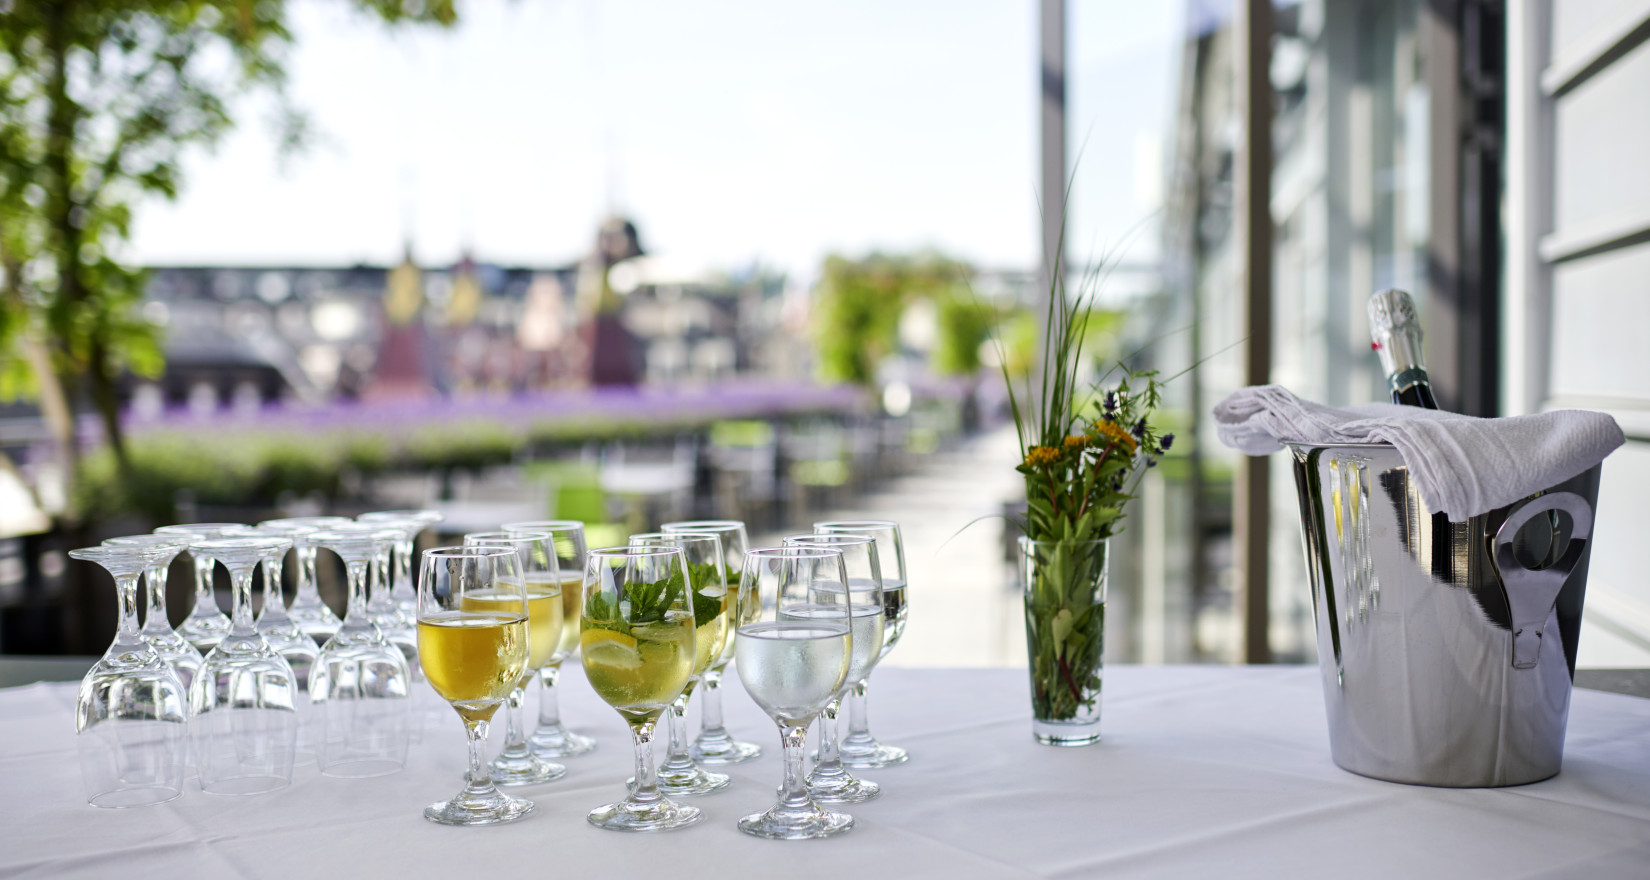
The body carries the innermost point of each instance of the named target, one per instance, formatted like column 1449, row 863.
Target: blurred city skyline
column 735, row 135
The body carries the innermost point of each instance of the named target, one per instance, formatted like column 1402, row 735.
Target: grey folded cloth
column 1463, row 465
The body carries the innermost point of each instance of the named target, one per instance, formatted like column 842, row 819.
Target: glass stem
column 549, row 711
column 307, row 586
column 154, row 621
column 647, row 781
column 274, row 596
column 241, row 622
column 355, row 616
column 676, row 754
column 515, row 741
column 403, row 569
column 859, row 724
column 794, row 792
column 829, row 762
column 126, row 629
column 710, row 703
column 205, row 602
column 479, row 781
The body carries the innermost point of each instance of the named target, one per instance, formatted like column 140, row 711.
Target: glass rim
column 199, row 527
column 809, row 538
column 627, row 551
column 702, row 525
column 675, row 536
column 542, row 525
column 245, row 542
column 505, row 536
column 474, row 552
column 792, row 552
column 852, row 524
column 422, row 514
column 363, row 534
column 181, row 540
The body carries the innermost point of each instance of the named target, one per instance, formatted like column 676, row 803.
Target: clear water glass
column 637, row 639
column 361, row 681
column 308, row 612
column 830, row 782
column 206, row 624
column 516, row 764
column 474, row 654
column 859, row 748
column 393, row 618
column 715, row 745
column 794, row 647
column 713, row 605
column 401, row 579
column 157, row 628
column 131, row 714
column 282, row 634
column 552, row 739
column 243, row 704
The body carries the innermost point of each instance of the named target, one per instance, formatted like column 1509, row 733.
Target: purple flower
column 1168, row 440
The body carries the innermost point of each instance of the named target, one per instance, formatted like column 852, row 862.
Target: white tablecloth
column 1204, row 771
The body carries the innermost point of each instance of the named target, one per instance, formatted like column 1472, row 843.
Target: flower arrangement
column 1082, row 459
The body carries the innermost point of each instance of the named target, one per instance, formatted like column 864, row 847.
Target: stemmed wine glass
column 157, row 629
column 637, row 640
column 794, row 647
column 283, row 634
column 206, row 624
column 552, row 739
column 473, row 654
column 245, row 721
column 712, row 616
column 393, row 619
column 830, row 782
column 714, row 744
column 516, row 764
column 360, row 678
column 131, row 715
column 311, row 615
column 859, row 748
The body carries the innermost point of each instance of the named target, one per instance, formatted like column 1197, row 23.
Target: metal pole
column 1254, row 227
column 1052, row 116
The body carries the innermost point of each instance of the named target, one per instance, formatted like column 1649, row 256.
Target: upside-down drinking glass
column 794, row 647
column 552, row 739
column 412, row 523
column 206, row 624
column 283, row 634
column 714, row 744
column 830, row 782
column 311, row 615
column 157, row 629
column 637, row 640
column 473, row 656
column 243, row 702
column 131, row 715
column 361, row 680
column 859, row 748
column 516, row 764
column 713, row 607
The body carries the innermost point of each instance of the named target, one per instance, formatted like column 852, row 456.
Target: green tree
column 99, row 100
column 859, row 303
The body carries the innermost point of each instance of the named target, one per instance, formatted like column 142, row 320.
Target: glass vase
column 1065, row 605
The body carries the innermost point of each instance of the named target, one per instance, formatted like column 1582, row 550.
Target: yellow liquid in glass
column 640, row 672
column 572, row 606
column 473, row 659
column 544, row 613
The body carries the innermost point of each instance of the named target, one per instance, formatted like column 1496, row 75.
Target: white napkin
column 1462, row 464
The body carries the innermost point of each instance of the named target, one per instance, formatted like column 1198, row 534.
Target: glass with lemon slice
column 637, row 639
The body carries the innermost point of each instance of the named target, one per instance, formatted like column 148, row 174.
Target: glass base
column 1066, row 733
column 140, row 796
column 362, row 768
column 236, row 786
column 781, row 823
column 205, row 633
column 723, row 749
column 556, row 741
column 871, row 754
column 661, row 815
column 689, row 783
column 841, row 789
column 493, row 809
column 524, row 769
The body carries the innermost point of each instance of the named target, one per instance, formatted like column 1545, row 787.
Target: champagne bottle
column 1396, row 331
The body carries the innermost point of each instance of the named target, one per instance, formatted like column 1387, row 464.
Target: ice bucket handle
column 1531, row 592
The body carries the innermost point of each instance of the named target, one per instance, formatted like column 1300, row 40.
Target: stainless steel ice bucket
column 1447, row 648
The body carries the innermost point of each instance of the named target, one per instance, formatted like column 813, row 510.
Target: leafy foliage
column 859, row 303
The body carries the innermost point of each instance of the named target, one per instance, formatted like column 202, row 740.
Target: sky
column 733, row 132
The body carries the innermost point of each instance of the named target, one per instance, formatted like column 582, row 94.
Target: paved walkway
column 965, row 606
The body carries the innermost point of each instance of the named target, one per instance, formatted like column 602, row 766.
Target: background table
column 1204, row 771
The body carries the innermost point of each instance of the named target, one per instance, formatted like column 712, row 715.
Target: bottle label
column 1405, row 378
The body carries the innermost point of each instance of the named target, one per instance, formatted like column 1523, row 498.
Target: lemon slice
column 604, row 647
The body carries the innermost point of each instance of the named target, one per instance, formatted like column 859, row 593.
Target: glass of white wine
column 637, row 639
column 830, row 782
column 794, row 647
column 516, row 764
column 552, row 739
column 859, row 748
column 715, row 745
column 473, row 654
column 712, row 618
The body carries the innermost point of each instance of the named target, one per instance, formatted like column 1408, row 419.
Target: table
column 1205, row 771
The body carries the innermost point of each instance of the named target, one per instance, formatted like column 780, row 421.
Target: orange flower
column 1042, row 455
column 1115, row 433
column 1076, row 442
